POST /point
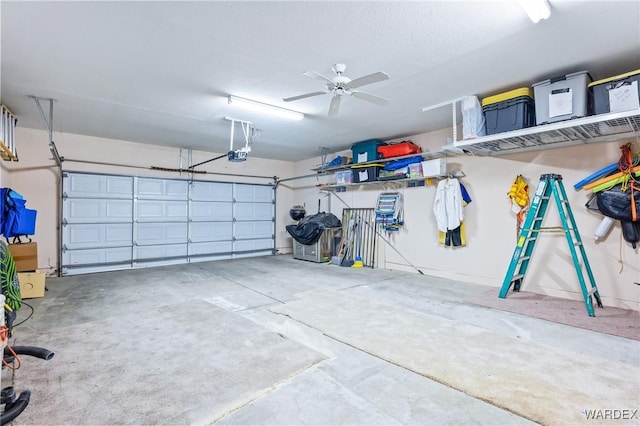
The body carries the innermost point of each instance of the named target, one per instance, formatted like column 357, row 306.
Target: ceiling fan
column 340, row 85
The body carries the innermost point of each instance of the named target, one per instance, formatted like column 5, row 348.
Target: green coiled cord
column 9, row 278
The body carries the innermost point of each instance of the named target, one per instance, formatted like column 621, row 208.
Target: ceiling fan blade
column 370, row 98
column 317, row 76
column 335, row 105
column 368, row 79
column 306, row 95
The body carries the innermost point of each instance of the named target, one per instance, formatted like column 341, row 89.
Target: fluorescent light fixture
column 265, row 108
column 536, row 9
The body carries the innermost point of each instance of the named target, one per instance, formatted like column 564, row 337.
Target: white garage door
column 121, row 222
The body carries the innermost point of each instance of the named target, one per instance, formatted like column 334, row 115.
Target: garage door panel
column 149, row 188
column 177, row 189
column 211, row 191
column 253, row 211
column 86, row 210
column 95, row 257
column 119, row 209
column 79, row 270
column 253, row 230
column 209, row 211
column 160, row 211
column 160, row 233
column 159, row 253
column 210, row 231
column 249, row 245
column 210, row 257
column 77, row 236
column 162, row 189
column 97, row 186
column 241, row 255
column 217, row 247
column 253, row 193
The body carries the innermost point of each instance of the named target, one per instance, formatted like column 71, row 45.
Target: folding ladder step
column 517, row 277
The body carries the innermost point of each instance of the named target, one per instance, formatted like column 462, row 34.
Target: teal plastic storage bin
column 366, row 150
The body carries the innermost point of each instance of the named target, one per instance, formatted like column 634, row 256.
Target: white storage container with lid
column 562, row 98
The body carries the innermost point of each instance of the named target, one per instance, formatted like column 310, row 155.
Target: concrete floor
column 274, row 340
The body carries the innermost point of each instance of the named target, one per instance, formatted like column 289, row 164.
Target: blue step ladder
column 550, row 185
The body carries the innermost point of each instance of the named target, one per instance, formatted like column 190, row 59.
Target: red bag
column 398, row 149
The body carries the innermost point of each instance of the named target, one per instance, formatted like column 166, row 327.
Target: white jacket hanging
column 447, row 205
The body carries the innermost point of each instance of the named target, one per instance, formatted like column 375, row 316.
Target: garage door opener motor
column 249, row 131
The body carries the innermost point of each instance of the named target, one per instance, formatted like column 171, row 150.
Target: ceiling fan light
column 272, row 110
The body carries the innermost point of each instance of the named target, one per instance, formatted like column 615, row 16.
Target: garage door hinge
column 64, row 196
column 64, row 248
column 64, row 222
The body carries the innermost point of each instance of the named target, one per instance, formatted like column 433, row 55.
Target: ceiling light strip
column 536, row 9
column 272, row 110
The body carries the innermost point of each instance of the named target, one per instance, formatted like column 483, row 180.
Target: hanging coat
column 456, row 237
column 447, row 205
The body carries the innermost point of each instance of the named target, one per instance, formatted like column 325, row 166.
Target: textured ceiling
column 160, row 72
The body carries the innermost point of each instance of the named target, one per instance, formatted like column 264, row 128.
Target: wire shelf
column 600, row 128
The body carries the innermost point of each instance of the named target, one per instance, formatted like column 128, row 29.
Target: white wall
column 35, row 176
column 4, row 176
column 491, row 227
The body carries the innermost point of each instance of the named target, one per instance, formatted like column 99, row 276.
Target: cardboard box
column 31, row 284
column 25, row 256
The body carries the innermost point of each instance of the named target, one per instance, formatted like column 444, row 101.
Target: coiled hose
column 13, row 410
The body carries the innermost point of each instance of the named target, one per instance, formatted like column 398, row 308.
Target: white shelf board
column 596, row 128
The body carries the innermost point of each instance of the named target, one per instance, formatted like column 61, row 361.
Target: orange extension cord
column 4, row 338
